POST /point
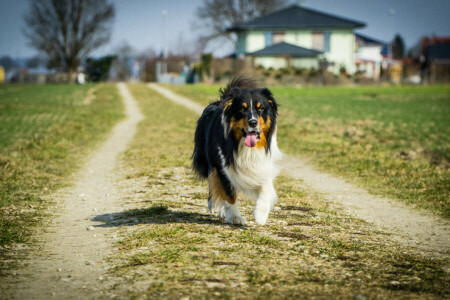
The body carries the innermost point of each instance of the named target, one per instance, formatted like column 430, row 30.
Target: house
column 298, row 36
column 435, row 59
column 368, row 56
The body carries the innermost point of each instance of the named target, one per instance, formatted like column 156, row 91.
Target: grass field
column 171, row 247
column 45, row 132
column 393, row 141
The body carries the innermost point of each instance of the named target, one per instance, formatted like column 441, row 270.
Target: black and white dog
column 236, row 149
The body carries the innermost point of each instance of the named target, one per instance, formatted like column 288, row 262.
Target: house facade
column 368, row 56
column 308, row 37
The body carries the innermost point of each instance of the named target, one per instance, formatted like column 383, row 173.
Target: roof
column 438, row 51
column 286, row 49
column 368, row 40
column 297, row 17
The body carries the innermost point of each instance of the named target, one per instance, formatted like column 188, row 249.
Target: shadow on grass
column 156, row 215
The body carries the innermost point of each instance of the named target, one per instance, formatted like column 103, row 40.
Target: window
column 326, row 47
column 318, row 41
column 278, row 37
column 268, row 37
column 273, row 38
column 321, row 41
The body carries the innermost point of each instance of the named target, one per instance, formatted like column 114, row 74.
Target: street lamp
column 164, row 15
column 391, row 21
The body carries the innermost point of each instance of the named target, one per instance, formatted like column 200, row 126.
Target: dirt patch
column 224, row 263
column 293, row 235
column 300, row 208
column 91, row 94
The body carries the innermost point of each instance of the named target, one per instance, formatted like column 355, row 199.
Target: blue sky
column 140, row 22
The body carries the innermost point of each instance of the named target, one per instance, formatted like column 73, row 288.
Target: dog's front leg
column 264, row 204
column 232, row 215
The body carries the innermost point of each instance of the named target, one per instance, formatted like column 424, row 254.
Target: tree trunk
column 72, row 76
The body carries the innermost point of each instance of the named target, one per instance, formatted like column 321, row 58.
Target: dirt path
column 70, row 263
column 408, row 226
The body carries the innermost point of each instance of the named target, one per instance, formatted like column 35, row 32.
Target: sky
column 141, row 24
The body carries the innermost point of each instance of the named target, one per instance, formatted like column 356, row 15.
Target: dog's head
column 250, row 115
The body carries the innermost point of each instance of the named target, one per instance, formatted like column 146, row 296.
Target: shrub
column 299, row 71
column 284, row 71
column 312, row 72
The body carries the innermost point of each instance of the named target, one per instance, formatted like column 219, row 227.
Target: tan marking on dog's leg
column 216, row 190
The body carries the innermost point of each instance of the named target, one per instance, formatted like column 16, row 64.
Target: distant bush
column 312, row 72
column 299, row 71
column 284, row 71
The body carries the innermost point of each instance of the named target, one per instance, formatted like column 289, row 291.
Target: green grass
column 171, row 247
column 393, row 141
column 45, row 133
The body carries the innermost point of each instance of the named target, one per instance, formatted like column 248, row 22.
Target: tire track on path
column 70, row 263
column 409, row 226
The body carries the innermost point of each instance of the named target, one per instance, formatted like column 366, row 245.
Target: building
column 298, row 36
column 435, row 59
column 368, row 56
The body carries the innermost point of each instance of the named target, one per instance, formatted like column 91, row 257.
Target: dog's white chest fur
column 254, row 168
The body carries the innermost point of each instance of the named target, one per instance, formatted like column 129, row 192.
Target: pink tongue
column 250, row 139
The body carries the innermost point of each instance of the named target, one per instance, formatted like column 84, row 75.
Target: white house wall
column 255, row 41
column 270, row 62
column 342, row 50
column 302, row 38
column 370, row 53
column 342, row 46
column 305, row 63
column 280, row 62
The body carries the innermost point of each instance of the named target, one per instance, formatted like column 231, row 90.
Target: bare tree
column 218, row 15
column 68, row 30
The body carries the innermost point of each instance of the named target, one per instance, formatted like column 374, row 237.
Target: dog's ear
column 227, row 104
column 229, row 96
column 269, row 96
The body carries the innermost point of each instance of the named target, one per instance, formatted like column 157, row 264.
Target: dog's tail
column 240, row 81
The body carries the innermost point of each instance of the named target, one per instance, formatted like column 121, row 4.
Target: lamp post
column 164, row 15
column 391, row 25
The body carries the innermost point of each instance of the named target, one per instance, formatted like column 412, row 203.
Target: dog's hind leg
column 232, row 214
column 264, row 204
column 223, row 200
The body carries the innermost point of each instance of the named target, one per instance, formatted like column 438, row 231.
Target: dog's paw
column 237, row 220
column 261, row 217
column 221, row 212
column 210, row 205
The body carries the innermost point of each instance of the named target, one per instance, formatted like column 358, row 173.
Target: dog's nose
column 252, row 123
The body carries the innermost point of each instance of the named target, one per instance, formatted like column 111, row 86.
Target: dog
column 236, row 149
